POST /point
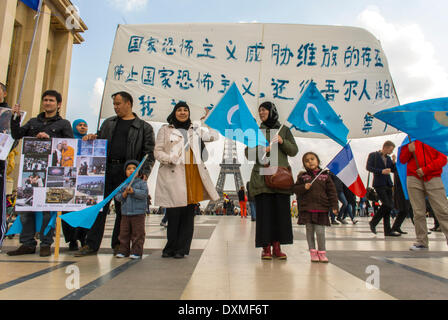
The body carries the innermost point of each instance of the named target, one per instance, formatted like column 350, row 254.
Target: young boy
column 133, row 208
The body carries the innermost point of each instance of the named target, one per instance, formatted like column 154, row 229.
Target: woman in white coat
column 182, row 180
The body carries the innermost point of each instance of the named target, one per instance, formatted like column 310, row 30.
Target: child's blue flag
column 232, row 118
column 86, row 218
column 313, row 113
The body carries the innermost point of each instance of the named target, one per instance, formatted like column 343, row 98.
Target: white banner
column 61, row 174
column 162, row 64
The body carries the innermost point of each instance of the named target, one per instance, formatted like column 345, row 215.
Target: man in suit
column 382, row 165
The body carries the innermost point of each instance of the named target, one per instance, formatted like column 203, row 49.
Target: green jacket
column 288, row 148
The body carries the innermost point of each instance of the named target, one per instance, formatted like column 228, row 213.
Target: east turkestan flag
column 313, row 113
column 231, row 115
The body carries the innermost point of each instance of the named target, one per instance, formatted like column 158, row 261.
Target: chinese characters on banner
column 61, row 174
column 162, row 64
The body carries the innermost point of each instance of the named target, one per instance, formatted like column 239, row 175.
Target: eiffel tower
column 231, row 166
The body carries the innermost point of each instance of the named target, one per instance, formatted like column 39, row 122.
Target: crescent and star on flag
column 306, row 114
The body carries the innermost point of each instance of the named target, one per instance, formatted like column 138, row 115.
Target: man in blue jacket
column 382, row 165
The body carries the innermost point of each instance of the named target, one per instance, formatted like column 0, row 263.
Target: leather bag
column 282, row 179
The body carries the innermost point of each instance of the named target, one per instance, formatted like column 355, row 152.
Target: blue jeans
column 349, row 211
column 165, row 218
column 343, row 209
column 253, row 213
column 27, row 236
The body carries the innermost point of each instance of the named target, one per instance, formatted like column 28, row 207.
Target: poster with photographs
column 6, row 141
column 61, row 174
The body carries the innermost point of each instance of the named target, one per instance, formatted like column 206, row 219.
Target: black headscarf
column 272, row 120
column 173, row 120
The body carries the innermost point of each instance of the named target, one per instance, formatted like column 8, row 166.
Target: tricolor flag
column 344, row 167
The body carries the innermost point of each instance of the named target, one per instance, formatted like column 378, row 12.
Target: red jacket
column 429, row 159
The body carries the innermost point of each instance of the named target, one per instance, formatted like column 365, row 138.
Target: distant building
column 58, row 30
column 50, row 64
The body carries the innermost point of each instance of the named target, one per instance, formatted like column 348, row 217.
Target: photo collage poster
column 61, row 174
column 6, row 141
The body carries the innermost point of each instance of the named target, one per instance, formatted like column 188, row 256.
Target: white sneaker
column 418, row 247
column 120, row 255
column 135, row 256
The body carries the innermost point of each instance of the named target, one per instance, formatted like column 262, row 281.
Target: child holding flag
column 316, row 196
column 133, row 198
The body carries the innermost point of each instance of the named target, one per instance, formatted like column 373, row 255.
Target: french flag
column 344, row 167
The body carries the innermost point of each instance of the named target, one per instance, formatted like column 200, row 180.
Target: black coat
column 350, row 196
column 241, row 195
column 140, row 141
column 55, row 127
column 339, row 185
column 375, row 164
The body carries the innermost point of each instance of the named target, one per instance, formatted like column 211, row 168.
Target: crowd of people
column 183, row 181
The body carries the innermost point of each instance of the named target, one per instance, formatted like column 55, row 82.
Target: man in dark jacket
column 381, row 165
column 128, row 138
column 48, row 124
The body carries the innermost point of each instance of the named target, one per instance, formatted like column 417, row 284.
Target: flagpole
column 36, row 24
column 58, row 235
column 271, row 143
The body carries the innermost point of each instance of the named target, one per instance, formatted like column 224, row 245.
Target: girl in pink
column 316, row 197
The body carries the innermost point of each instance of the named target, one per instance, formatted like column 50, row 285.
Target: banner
column 61, row 174
column 161, row 64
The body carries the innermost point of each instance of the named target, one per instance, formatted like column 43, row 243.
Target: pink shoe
column 322, row 257
column 314, row 255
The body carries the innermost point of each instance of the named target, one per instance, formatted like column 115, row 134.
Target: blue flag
column 33, row 4
column 402, row 171
column 232, row 114
column 86, row 218
column 314, row 114
column 17, row 226
column 426, row 121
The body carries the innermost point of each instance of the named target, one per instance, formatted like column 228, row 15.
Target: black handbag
column 371, row 194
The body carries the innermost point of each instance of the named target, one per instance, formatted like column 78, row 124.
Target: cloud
column 417, row 73
column 129, row 5
column 95, row 96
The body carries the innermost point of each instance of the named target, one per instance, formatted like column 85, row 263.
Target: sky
column 412, row 35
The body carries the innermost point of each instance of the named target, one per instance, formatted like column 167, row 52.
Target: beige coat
column 171, row 187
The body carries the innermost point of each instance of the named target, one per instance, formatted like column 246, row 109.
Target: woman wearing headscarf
column 182, row 179
column 73, row 235
column 273, row 224
column 80, row 128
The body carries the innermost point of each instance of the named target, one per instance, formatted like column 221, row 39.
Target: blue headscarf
column 75, row 131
